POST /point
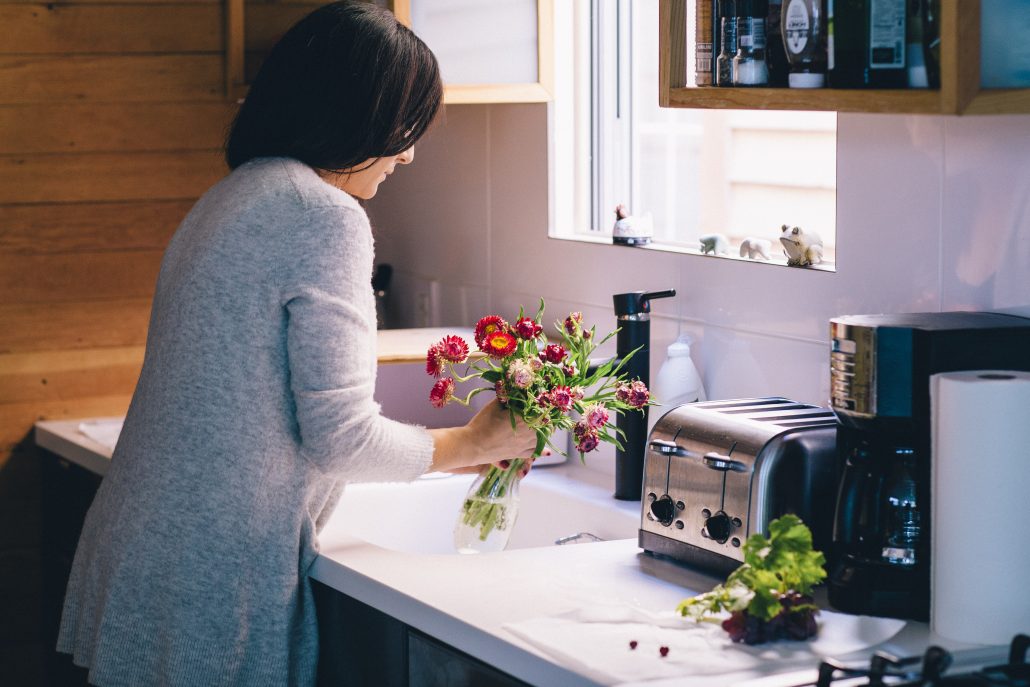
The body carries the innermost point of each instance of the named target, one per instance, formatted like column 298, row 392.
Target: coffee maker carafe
column 880, row 368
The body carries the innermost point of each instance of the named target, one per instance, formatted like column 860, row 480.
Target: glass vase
column 489, row 511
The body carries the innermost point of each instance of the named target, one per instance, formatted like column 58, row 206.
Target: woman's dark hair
column 346, row 84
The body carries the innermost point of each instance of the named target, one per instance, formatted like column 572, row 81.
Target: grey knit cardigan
column 253, row 409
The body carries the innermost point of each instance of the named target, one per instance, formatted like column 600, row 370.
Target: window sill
column 683, row 250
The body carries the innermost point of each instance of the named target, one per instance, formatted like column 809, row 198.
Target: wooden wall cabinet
column 960, row 91
column 468, row 45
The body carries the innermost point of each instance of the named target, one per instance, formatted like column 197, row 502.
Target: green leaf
column 765, row 604
column 772, row 566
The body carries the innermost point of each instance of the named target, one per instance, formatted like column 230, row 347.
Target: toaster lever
column 717, row 461
column 669, row 448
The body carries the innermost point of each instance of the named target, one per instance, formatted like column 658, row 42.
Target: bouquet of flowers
column 549, row 386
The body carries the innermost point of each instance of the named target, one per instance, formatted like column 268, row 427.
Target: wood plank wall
column 112, row 117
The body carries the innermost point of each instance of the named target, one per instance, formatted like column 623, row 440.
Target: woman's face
column 363, row 181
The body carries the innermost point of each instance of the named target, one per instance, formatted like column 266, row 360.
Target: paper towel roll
column 980, row 551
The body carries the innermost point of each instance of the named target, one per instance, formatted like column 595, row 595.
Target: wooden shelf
column 922, row 101
column 960, row 91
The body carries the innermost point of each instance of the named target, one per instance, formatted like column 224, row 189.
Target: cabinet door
column 498, row 51
column 434, row 664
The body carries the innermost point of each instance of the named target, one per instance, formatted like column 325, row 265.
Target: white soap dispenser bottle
column 677, row 381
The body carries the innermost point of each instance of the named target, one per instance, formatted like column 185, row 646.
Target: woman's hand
column 487, row 438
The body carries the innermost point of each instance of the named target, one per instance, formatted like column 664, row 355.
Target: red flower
column 586, row 436
column 499, row 344
column 453, row 348
column 442, row 392
column 634, row 394
column 488, row 325
column 434, row 361
column 553, row 353
column 574, row 323
column 561, row 398
column 502, row 393
column 596, row 416
column 527, row 328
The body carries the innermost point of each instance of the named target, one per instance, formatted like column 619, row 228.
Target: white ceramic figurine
column 714, row 244
column 801, row 248
column 756, row 249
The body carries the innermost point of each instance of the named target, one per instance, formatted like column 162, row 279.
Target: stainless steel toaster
column 716, row 472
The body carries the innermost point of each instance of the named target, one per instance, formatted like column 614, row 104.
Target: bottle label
column 758, row 33
column 796, row 26
column 887, row 34
column 703, row 59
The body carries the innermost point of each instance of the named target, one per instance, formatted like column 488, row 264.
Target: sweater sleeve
column 331, row 347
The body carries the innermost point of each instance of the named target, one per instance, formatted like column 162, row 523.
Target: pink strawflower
column 520, row 373
column 634, row 394
column 596, row 416
column 488, row 325
column 434, row 361
column 587, row 439
column 562, row 398
column 499, row 344
column 527, row 328
column 442, row 392
column 453, row 348
column 574, row 324
column 543, row 399
column 502, row 393
column 577, row 393
column 570, row 370
column 536, row 364
column 553, row 353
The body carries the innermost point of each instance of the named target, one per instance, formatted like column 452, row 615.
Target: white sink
column 419, row 517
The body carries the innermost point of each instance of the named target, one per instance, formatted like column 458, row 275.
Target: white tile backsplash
column 933, row 214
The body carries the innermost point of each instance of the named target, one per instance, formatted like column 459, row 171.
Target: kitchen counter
column 466, row 601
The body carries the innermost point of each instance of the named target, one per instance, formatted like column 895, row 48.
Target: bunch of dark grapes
column 790, row 623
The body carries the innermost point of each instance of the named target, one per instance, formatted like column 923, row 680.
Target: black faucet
column 633, row 312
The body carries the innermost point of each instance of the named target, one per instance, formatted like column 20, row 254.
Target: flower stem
column 485, row 508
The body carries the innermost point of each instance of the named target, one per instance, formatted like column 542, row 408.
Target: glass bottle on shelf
column 749, row 65
column 775, row 54
column 803, row 28
column 727, row 42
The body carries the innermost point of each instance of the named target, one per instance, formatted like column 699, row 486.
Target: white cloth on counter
column 104, row 432
column 596, row 642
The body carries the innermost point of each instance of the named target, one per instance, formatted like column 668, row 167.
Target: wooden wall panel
column 108, row 176
column 59, row 28
column 104, row 78
column 39, row 29
column 74, row 324
column 75, row 276
column 60, row 375
column 90, row 227
column 114, row 127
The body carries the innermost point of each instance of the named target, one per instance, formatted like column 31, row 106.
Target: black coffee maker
column 880, row 367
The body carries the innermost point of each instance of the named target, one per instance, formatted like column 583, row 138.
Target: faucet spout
column 633, row 312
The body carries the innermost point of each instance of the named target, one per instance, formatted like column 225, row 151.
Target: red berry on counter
column 632, row 644
column 664, row 651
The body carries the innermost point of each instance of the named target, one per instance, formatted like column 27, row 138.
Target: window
column 738, row 173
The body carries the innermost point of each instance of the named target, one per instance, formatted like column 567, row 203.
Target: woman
column 254, row 406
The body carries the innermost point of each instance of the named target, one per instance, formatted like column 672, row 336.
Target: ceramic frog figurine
column 802, row 248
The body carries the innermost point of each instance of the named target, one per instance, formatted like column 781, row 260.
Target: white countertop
column 466, row 600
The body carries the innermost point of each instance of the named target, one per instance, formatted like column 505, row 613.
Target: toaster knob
column 718, row 527
column 663, row 510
